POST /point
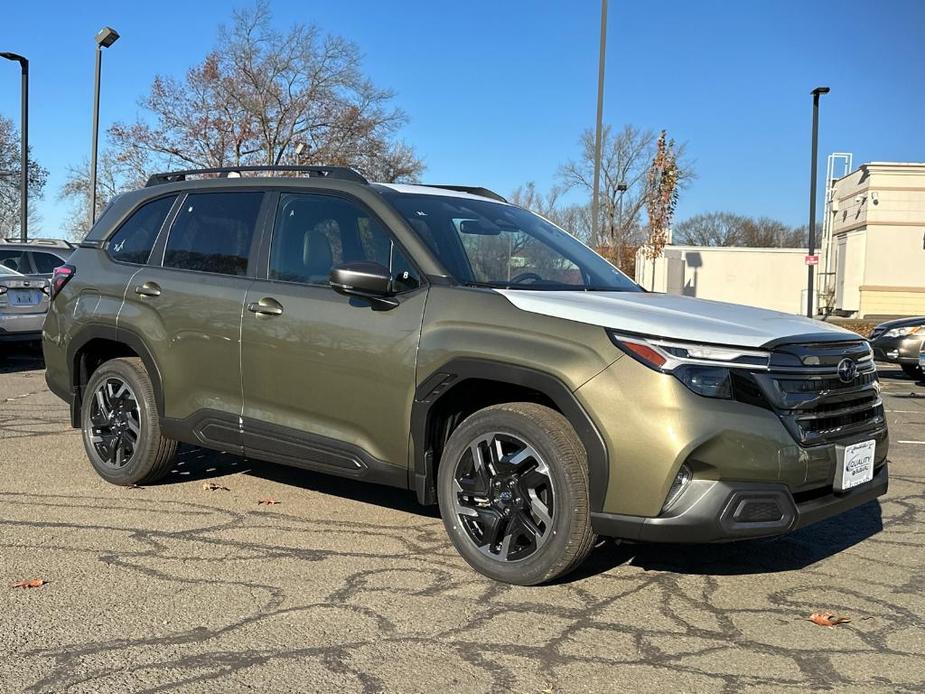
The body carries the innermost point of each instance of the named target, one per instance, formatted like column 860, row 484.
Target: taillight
column 62, row 275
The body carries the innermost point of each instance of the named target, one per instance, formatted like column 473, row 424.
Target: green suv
column 439, row 339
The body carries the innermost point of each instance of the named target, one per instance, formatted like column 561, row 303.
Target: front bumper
column 720, row 511
column 21, row 326
column 898, row 350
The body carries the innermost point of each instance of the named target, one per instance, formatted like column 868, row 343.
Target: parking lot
column 348, row 587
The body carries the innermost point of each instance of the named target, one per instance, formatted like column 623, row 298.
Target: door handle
column 267, row 306
column 148, row 289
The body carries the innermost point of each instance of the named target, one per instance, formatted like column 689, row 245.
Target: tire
column 913, row 371
column 491, row 517
column 143, row 454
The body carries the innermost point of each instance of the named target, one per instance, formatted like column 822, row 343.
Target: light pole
column 24, row 143
column 595, row 193
column 104, row 39
column 817, row 92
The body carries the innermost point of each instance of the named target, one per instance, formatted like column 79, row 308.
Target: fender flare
column 112, row 334
column 459, row 370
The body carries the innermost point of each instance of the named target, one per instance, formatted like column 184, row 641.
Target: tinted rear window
column 133, row 242
column 213, row 232
column 45, row 263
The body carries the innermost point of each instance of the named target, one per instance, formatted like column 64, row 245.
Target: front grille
column 816, row 404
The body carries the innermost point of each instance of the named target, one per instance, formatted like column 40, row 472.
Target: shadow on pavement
column 194, row 464
column 790, row 552
column 20, row 356
column 797, row 550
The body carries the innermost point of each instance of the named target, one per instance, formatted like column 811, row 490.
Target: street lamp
column 24, row 143
column 598, row 130
column 817, row 92
column 104, row 39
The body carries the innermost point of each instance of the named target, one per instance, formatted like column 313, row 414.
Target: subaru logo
column 847, row 370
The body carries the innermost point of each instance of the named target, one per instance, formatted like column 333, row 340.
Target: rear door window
column 133, row 242
column 213, row 232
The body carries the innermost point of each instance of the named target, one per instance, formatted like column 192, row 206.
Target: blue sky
column 498, row 92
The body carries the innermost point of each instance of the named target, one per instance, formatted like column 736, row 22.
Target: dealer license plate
column 855, row 465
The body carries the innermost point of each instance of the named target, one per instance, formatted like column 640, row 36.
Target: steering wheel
column 524, row 276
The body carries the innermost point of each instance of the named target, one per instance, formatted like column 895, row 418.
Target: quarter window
column 45, row 263
column 213, row 232
column 313, row 233
column 133, row 242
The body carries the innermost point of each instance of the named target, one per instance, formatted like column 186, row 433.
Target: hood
column 677, row 317
column 900, row 323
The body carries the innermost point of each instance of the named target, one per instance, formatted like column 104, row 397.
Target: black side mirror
column 368, row 280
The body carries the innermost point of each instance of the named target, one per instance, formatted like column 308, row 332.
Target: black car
column 900, row 342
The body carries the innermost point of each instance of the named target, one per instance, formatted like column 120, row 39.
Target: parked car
column 439, row 339
column 900, row 342
column 36, row 256
column 24, row 301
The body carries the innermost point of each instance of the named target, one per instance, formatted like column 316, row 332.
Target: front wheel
column 513, row 491
column 913, row 371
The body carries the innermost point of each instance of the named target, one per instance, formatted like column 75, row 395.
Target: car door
column 187, row 304
column 328, row 381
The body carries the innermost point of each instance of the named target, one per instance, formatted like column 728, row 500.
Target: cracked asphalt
column 349, row 587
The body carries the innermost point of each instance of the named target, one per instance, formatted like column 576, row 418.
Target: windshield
column 491, row 244
column 8, row 271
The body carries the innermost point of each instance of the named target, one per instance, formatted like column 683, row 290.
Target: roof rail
column 343, row 173
column 54, row 243
column 472, row 190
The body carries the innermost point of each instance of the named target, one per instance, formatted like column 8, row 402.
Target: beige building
column 773, row 278
column 876, row 241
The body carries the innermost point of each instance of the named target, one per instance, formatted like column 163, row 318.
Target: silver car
column 24, row 301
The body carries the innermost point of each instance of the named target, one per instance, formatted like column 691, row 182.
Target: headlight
column 900, row 332
column 704, row 369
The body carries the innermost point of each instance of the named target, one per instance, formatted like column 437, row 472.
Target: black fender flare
column 131, row 340
column 459, row 370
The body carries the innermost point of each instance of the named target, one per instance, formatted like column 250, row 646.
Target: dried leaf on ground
column 827, row 619
column 212, row 486
column 33, row 583
column 267, row 502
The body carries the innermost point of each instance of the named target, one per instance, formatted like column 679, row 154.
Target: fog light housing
column 708, row 381
column 681, row 480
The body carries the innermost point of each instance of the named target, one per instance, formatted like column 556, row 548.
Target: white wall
column 773, row 278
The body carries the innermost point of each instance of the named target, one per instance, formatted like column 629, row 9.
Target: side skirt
column 283, row 445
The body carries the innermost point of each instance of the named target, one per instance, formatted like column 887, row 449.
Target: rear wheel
column 121, row 431
column 912, row 370
column 513, row 490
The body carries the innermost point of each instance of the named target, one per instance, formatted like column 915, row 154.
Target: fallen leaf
column 827, row 619
column 212, row 486
column 34, row 583
column 267, row 502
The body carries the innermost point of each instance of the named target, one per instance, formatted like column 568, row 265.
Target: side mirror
column 367, row 280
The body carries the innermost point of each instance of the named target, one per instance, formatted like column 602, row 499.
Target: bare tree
column 113, row 176
column 261, row 92
column 661, row 197
column 730, row 229
column 574, row 218
column 10, row 172
column 710, row 229
column 625, row 159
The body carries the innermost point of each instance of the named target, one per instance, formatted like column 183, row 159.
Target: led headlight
column 902, row 332
column 705, row 369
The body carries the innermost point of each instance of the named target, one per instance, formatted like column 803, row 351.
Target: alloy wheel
column 504, row 497
column 115, row 422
